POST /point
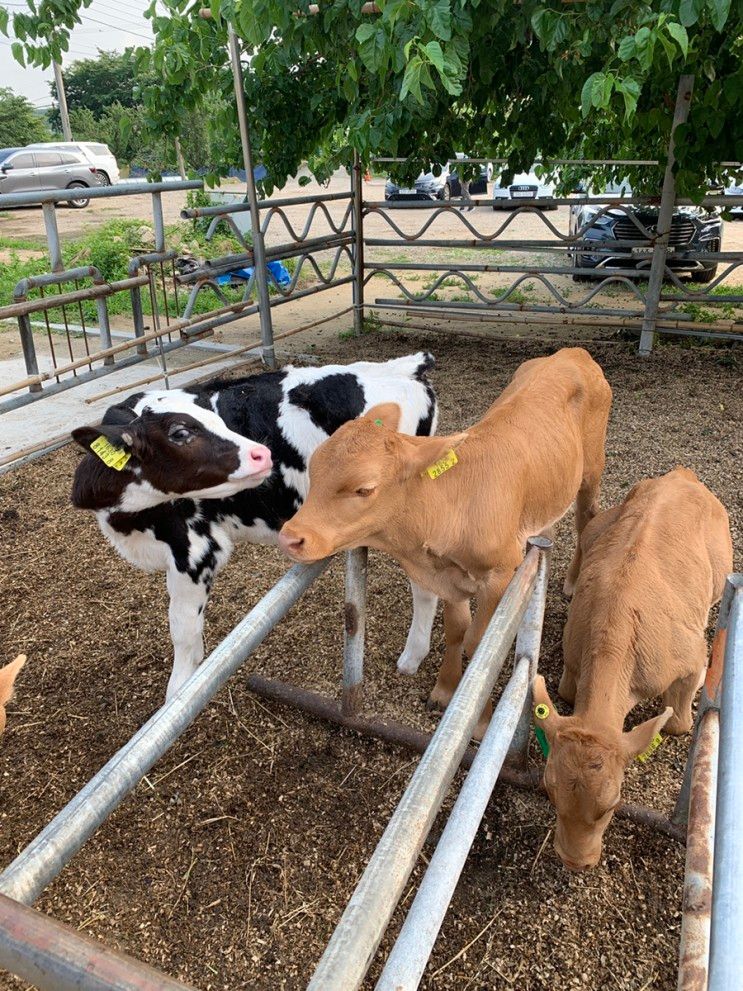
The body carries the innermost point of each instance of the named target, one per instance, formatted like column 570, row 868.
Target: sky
column 106, row 24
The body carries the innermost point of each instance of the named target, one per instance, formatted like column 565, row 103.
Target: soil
column 232, row 861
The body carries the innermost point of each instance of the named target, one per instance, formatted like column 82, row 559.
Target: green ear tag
column 379, row 423
column 541, row 711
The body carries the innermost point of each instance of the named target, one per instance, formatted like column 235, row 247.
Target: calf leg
column 456, row 621
column 418, row 643
column 681, row 693
column 188, row 599
column 568, row 686
column 586, row 507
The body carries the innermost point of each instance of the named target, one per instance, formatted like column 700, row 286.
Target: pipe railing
column 357, row 936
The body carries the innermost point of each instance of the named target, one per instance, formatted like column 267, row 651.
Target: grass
column 23, row 244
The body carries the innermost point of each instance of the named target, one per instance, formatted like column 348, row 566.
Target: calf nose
column 290, row 545
column 260, row 457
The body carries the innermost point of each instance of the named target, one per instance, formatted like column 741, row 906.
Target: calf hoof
column 568, row 588
column 409, row 663
column 439, row 698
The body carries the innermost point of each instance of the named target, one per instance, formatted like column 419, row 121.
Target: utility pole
column 62, row 99
column 179, row 156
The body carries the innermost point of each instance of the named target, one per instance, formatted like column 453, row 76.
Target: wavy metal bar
column 326, row 280
column 315, row 208
column 504, row 297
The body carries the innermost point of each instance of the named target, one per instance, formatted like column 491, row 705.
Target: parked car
column 441, row 187
column 734, row 189
column 99, row 156
column 696, row 228
column 25, row 171
column 523, row 187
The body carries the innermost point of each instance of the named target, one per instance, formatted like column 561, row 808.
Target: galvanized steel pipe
column 726, row 958
column 57, row 844
column 355, row 940
column 413, row 946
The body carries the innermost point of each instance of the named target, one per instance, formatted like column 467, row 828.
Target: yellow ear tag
column 541, row 711
column 444, row 464
column 113, row 457
column 650, row 750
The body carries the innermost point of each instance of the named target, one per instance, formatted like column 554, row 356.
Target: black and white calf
column 193, row 484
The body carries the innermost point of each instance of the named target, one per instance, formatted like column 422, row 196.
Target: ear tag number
column 113, row 457
column 439, row 467
column 645, row 756
column 541, row 711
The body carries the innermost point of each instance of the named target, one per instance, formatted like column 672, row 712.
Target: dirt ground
column 231, row 863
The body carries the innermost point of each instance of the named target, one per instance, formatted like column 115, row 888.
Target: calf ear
column 385, row 415
column 639, row 739
column 126, row 435
column 552, row 721
column 8, row 675
column 420, row 453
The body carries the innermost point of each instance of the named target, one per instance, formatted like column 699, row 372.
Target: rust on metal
column 351, row 619
column 351, row 700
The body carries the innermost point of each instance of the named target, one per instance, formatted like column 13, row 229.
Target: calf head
column 359, row 480
column 8, row 675
column 584, row 776
column 171, row 448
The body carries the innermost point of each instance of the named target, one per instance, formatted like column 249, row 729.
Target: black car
column 695, row 228
column 444, row 186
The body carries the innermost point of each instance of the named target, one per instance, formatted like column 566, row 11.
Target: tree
column 424, row 78
column 95, row 84
column 19, row 122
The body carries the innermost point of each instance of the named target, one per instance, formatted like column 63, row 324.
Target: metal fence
column 53, row 956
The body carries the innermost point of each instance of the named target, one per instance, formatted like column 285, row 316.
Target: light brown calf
column 8, row 675
column 539, row 448
column 652, row 568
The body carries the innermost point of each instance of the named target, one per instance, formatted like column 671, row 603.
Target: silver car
column 23, row 170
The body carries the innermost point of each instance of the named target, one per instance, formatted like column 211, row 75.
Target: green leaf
column 689, row 11
column 364, row 32
column 680, row 36
column 17, row 50
column 439, row 19
column 586, row 96
column 626, row 48
column 435, row 54
column 719, row 10
column 4, row 20
column 630, row 90
column 411, row 81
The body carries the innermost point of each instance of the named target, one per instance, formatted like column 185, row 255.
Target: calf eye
column 179, row 434
column 364, row 493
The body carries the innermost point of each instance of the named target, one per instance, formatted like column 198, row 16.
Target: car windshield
column 6, row 153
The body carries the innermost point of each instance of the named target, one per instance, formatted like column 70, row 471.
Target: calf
column 652, row 568
column 458, row 522
column 176, row 483
column 8, row 675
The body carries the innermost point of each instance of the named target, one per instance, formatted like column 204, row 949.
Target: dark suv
column 695, row 228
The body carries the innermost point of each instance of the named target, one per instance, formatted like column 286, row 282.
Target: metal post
column 259, row 249
column 357, row 186
column 57, row 844
column 407, row 961
column 29, row 350
column 52, row 236
column 726, row 959
column 665, row 219
column 355, row 940
column 528, row 643
column 354, row 628
column 55, row 957
column 62, row 100
column 101, row 305
column 179, row 156
column 158, row 221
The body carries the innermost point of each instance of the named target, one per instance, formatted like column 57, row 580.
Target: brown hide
column 462, row 534
column 8, row 675
column 652, row 568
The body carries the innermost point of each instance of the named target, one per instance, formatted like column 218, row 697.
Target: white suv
column 98, row 155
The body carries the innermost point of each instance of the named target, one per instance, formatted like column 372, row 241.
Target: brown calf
column 652, row 568
column 8, row 675
column 461, row 532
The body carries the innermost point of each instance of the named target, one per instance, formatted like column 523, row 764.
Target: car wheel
column 578, row 276
column 704, row 275
column 103, row 178
column 81, row 203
